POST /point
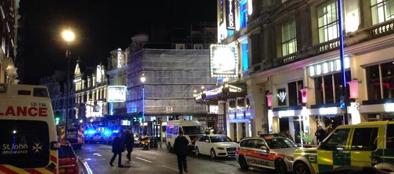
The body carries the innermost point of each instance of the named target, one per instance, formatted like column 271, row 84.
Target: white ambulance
column 192, row 131
column 28, row 141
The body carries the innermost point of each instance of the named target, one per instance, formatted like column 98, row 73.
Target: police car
column 269, row 151
column 369, row 144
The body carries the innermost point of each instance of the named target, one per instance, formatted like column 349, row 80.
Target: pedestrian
column 117, row 149
column 320, row 134
column 129, row 143
column 180, row 147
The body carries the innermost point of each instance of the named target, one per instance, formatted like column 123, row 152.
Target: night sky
column 101, row 27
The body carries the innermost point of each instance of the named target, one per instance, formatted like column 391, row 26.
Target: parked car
column 68, row 160
column 368, row 144
column 215, row 145
column 269, row 151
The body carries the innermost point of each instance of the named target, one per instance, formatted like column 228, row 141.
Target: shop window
column 329, row 87
column 289, row 41
column 336, row 141
column 382, row 10
column 294, row 93
column 380, row 81
column 390, row 137
column 328, row 21
column 369, row 140
column 282, row 95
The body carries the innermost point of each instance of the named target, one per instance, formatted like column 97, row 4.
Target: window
column 328, row 21
column 289, row 41
column 257, row 143
column 280, row 143
column 180, row 46
column 198, row 46
column 217, row 139
column 24, row 144
column 382, row 10
column 243, row 10
column 336, row 141
column 294, row 93
column 329, row 87
column 365, row 139
column 390, row 136
column 202, row 139
column 375, row 75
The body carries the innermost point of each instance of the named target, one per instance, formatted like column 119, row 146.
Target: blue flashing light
column 90, row 132
column 107, row 132
column 115, row 131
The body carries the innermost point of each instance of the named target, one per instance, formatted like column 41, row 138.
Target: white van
column 192, row 131
column 28, row 141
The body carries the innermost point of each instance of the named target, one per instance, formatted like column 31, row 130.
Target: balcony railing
column 382, row 29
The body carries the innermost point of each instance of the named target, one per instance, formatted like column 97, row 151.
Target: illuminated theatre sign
column 224, row 60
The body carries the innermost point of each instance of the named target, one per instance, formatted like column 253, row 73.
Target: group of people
column 126, row 141
column 121, row 142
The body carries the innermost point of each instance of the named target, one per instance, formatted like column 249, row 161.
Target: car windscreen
column 191, row 130
column 279, row 143
column 66, row 152
column 24, row 144
column 217, row 139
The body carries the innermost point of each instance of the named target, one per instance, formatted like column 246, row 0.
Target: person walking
column 180, row 147
column 129, row 142
column 320, row 134
column 117, row 149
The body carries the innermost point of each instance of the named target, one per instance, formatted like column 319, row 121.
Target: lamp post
column 68, row 37
column 143, row 80
column 344, row 98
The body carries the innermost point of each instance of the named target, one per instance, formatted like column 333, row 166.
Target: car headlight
column 220, row 148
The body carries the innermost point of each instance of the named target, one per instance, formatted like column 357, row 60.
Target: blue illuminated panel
column 245, row 57
column 243, row 16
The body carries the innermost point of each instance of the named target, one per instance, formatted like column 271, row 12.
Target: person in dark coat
column 117, row 149
column 320, row 134
column 129, row 142
column 180, row 147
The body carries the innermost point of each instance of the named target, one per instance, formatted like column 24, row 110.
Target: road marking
column 87, row 167
column 169, row 168
column 144, row 159
column 97, row 154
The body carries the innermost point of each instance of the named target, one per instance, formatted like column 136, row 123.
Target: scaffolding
column 171, row 77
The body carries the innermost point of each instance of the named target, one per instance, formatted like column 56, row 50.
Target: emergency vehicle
column 192, row 131
column 28, row 141
column 368, row 144
column 75, row 136
column 270, row 151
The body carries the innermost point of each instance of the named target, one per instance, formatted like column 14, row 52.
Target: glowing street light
column 68, row 35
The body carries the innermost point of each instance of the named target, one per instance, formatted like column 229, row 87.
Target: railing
column 382, row 29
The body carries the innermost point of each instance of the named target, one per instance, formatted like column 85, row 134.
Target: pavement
column 95, row 159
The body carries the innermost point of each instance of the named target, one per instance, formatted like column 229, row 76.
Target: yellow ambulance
column 28, row 141
column 368, row 144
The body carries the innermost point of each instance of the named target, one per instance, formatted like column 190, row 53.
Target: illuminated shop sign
column 230, row 17
column 116, row 94
column 224, row 60
column 281, row 97
column 327, row 67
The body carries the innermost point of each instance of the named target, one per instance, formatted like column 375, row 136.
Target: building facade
column 170, row 77
column 90, row 94
column 8, row 39
column 290, row 61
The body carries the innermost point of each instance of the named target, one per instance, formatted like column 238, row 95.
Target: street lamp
column 143, row 80
column 68, row 37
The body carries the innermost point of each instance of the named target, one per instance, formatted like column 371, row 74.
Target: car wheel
column 301, row 168
column 280, row 167
column 197, row 152
column 242, row 163
column 212, row 154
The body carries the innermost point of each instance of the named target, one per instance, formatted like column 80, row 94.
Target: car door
column 334, row 151
column 264, row 155
column 248, row 146
column 364, row 141
column 200, row 144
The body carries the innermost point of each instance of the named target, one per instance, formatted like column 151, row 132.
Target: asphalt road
column 96, row 157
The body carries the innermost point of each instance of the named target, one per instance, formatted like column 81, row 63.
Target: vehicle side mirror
column 264, row 149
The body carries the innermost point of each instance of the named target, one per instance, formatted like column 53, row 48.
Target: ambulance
column 28, row 140
column 368, row 144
